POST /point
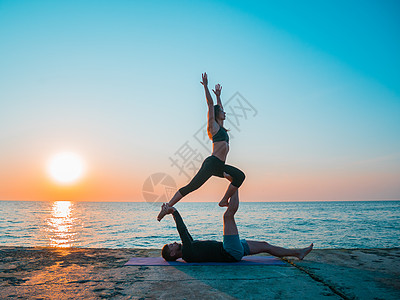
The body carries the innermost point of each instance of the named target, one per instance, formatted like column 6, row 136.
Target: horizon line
column 266, row 201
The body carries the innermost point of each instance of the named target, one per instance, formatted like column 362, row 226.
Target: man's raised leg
column 230, row 227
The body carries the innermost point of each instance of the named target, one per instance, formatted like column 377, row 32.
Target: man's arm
column 182, row 230
column 180, row 226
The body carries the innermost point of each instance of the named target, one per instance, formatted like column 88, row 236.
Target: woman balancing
column 214, row 164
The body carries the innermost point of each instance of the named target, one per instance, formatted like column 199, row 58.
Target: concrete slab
column 50, row 273
column 356, row 273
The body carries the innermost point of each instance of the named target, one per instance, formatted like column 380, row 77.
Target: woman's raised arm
column 211, row 119
column 209, row 99
column 217, row 92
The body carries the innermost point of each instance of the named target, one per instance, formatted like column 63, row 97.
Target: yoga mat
column 246, row 261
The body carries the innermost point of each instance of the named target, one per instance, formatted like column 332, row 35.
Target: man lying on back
column 232, row 249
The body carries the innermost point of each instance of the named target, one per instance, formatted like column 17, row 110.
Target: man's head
column 171, row 252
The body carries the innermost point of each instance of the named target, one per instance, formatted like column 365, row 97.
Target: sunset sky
column 314, row 90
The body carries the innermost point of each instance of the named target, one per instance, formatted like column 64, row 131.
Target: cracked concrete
column 76, row 273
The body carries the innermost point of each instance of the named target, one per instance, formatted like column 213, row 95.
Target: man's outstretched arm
column 183, row 232
column 180, row 225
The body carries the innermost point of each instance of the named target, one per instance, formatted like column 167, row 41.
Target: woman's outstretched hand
column 218, row 89
column 204, row 78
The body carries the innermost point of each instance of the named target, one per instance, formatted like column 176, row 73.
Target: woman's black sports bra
column 221, row 135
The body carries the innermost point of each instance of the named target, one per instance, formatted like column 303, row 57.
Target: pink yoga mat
column 246, row 261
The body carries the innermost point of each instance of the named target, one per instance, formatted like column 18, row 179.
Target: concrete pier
column 76, row 273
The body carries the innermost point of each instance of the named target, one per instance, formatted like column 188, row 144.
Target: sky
column 311, row 90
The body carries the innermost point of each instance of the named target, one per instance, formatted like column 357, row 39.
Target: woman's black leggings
column 212, row 165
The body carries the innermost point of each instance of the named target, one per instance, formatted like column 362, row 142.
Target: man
column 230, row 250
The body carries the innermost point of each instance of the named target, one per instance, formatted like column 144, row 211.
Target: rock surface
column 77, row 273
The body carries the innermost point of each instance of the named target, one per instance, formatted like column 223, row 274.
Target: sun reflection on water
column 61, row 224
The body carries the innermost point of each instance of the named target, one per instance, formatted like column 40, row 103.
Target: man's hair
column 166, row 254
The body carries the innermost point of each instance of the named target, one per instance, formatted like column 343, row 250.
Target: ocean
column 350, row 224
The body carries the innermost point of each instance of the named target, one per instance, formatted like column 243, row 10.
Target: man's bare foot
column 305, row 251
column 223, row 203
column 163, row 212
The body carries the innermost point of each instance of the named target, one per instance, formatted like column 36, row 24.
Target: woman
column 214, row 164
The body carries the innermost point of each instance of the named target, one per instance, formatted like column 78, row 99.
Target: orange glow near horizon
column 110, row 180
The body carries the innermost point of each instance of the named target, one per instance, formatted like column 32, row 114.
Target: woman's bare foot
column 303, row 252
column 223, row 203
column 163, row 212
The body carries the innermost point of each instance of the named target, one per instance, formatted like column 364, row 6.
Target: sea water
column 347, row 224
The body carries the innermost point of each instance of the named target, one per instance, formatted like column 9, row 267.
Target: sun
column 66, row 167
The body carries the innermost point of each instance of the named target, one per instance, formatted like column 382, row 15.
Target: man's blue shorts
column 236, row 247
